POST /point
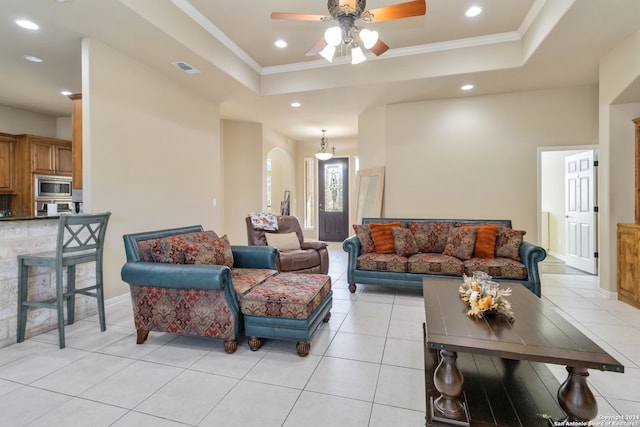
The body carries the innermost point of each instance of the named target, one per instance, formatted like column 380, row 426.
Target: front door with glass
column 333, row 199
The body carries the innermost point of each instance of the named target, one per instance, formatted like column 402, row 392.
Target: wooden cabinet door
column 43, row 157
column 7, row 165
column 64, row 160
column 628, row 264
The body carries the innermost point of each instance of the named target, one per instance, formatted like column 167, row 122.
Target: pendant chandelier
column 324, row 153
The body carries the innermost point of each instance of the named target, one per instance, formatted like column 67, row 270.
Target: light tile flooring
column 365, row 367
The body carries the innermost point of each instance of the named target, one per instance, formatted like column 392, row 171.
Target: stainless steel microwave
column 52, row 187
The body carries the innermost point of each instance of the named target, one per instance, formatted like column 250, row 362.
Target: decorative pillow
column 266, row 221
column 171, row 249
column 364, row 236
column 461, row 242
column 485, row 241
column 404, row 242
column 167, row 251
column 217, row 252
column 283, row 241
column 382, row 237
column 431, row 237
column 508, row 243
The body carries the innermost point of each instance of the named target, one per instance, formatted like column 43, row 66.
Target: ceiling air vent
column 185, row 67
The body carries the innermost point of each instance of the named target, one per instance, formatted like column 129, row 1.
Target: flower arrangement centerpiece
column 484, row 296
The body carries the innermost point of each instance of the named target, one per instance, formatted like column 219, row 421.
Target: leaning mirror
column 370, row 185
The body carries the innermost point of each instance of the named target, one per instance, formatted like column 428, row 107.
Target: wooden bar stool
column 80, row 240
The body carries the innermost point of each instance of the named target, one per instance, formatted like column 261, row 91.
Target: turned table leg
column 449, row 381
column 575, row 396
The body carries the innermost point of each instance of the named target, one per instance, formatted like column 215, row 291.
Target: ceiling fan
column 348, row 32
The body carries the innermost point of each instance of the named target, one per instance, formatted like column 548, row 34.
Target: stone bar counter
column 26, row 235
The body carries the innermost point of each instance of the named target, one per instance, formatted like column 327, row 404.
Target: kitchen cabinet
column 37, row 155
column 51, row 157
column 7, row 164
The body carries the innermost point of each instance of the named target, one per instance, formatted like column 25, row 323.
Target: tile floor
column 365, row 367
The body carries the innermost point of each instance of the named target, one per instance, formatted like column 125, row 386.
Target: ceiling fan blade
column 297, row 16
column 316, row 48
column 379, row 48
column 400, row 10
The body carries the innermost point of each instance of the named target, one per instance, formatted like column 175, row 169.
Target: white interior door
column 580, row 206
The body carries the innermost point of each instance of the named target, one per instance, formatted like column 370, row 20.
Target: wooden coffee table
column 538, row 335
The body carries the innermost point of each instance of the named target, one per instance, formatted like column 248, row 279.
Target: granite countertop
column 26, row 218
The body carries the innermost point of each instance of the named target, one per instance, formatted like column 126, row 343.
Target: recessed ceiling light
column 65, row 93
column 29, row 25
column 473, row 11
column 32, row 58
column 467, row 87
column 281, row 44
column 295, row 104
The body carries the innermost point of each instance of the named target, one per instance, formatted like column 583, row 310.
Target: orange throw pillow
column 382, row 236
column 485, row 241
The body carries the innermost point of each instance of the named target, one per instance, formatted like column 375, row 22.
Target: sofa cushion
column 508, row 243
column 171, row 249
column 461, row 242
column 382, row 237
column 300, row 259
column 217, row 252
column 246, row 278
column 503, row 268
column 404, row 242
column 430, row 236
column 364, row 236
column 146, row 249
column 283, row 241
column 289, row 296
column 485, row 246
column 382, row 262
column 432, row 263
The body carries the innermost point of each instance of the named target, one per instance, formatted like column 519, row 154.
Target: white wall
column 476, row 157
column 151, row 152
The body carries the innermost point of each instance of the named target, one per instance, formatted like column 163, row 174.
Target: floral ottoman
column 287, row 306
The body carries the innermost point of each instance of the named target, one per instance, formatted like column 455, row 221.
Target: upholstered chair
column 295, row 254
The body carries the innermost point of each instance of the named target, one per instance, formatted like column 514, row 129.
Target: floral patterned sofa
column 400, row 252
column 190, row 281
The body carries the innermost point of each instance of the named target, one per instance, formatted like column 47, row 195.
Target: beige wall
column 17, row 121
column 242, row 146
column 476, row 157
column 151, row 152
column 619, row 70
column 345, row 147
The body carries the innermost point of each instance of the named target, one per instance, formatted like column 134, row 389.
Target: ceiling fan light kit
column 347, row 33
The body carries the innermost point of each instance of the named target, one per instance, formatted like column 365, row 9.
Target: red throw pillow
column 485, row 246
column 382, row 237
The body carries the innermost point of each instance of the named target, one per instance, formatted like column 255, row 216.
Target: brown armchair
column 310, row 257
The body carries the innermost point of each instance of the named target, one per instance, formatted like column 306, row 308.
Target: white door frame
column 542, row 149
